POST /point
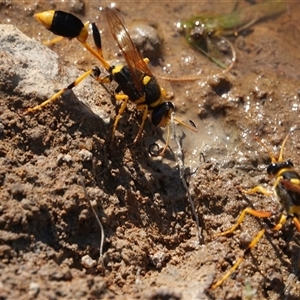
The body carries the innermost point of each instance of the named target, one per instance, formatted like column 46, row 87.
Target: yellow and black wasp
column 287, row 190
column 135, row 80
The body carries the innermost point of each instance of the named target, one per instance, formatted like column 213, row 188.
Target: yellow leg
column 248, row 210
column 53, row 41
column 281, row 222
column 297, row 223
column 256, row 189
column 58, row 94
column 255, row 213
column 165, row 95
column 240, row 260
column 162, row 152
column 125, row 99
column 254, row 242
column 105, row 80
column 143, row 107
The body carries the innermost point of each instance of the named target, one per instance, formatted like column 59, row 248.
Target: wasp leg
column 163, row 150
column 125, row 99
column 58, row 94
column 143, row 107
column 119, row 97
column 255, row 213
column 53, row 41
column 240, row 260
column 297, row 223
column 256, row 189
column 250, row 211
column 281, row 222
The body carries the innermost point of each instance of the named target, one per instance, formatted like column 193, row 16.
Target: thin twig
column 96, row 216
column 181, row 174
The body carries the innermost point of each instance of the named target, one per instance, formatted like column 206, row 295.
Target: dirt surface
column 49, row 236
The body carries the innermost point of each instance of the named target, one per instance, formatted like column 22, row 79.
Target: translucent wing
column 290, row 186
column 134, row 60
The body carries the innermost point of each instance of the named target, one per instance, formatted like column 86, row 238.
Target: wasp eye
column 289, row 163
column 271, row 168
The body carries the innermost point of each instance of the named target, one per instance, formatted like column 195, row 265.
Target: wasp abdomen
column 61, row 23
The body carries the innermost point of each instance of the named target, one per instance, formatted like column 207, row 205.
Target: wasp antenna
column 270, row 153
column 192, row 123
column 280, row 158
column 193, row 127
column 274, row 158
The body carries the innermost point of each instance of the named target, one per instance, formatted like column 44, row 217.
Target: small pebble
column 85, row 155
column 88, row 262
column 147, row 41
column 63, row 158
column 34, row 289
column 67, row 158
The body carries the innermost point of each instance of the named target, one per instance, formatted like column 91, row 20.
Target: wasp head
column 161, row 115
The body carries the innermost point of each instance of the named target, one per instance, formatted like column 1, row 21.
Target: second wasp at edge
column 135, row 80
column 286, row 188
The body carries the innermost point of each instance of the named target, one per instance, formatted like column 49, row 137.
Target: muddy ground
column 49, row 237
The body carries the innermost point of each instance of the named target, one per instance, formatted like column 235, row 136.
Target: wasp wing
column 290, row 186
column 134, row 60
